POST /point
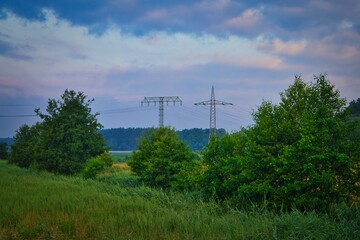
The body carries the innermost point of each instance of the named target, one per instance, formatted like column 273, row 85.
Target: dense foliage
column 297, row 153
column 160, row 158
column 3, row 150
column 96, row 165
column 354, row 107
column 66, row 138
column 23, row 150
column 125, row 138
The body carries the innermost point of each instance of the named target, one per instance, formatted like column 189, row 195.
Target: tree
column 221, row 165
column 354, row 107
column 3, row 150
column 22, row 151
column 160, row 158
column 70, row 134
column 299, row 152
column 66, row 138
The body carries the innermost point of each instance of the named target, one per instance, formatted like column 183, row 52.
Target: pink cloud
column 9, row 86
column 278, row 46
column 247, row 19
column 265, row 62
column 329, row 49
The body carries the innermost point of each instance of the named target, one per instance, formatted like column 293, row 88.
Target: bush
column 97, row 164
column 160, row 158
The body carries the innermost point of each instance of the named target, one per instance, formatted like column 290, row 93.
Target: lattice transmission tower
column 213, row 102
column 161, row 101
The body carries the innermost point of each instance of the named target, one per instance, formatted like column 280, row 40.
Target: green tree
column 354, row 110
column 160, row 158
column 22, row 152
column 70, row 134
column 354, row 107
column 3, row 150
column 298, row 153
column 301, row 148
column 221, row 166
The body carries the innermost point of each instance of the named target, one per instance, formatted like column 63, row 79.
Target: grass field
column 39, row 205
column 120, row 156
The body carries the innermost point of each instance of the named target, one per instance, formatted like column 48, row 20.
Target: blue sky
column 118, row 52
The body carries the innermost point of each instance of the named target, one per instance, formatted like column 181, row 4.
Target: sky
column 120, row 51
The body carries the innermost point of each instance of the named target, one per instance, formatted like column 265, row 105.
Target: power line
column 18, row 116
column 122, row 110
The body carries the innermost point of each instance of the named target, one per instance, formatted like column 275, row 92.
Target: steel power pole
column 161, row 100
column 213, row 102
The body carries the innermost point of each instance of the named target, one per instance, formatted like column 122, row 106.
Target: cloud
column 285, row 19
column 248, row 19
column 14, row 51
column 280, row 47
column 64, row 55
column 345, row 24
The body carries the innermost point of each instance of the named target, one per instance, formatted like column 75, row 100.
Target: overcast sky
column 120, row 51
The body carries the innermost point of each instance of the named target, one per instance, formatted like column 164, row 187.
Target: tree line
column 126, row 138
column 302, row 153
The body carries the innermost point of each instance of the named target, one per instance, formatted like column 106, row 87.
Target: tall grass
column 39, row 205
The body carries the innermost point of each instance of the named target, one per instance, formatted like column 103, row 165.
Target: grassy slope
column 37, row 205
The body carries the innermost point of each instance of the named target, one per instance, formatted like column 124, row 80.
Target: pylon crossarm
column 161, row 101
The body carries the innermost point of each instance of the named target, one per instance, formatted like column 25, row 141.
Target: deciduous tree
column 298, row 153
column 66, row 138
column 160, row 158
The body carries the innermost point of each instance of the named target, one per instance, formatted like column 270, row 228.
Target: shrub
column 97, row 164
column 160, row 158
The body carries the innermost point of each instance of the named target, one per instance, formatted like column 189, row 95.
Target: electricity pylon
column 161, row 101
column 212, row 102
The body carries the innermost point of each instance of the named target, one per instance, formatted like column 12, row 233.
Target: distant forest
column 124, row 139
column 354, row 108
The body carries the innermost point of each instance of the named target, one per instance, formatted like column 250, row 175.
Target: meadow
column 120, row 156
column 41, row 205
